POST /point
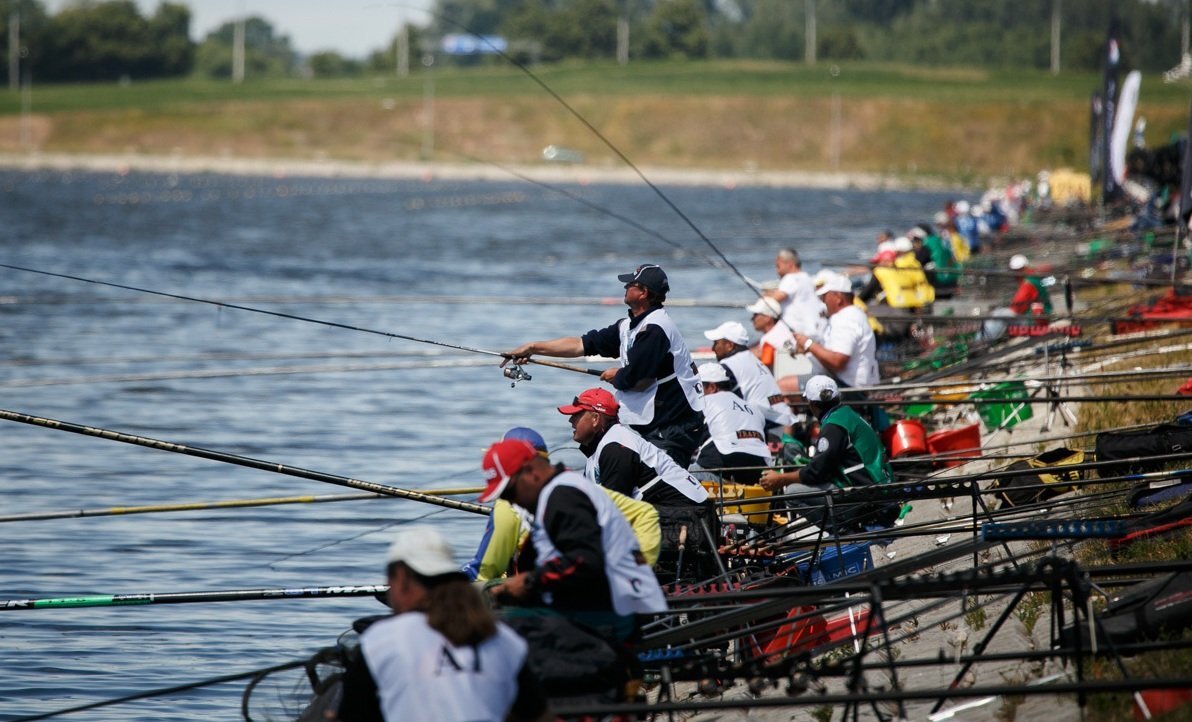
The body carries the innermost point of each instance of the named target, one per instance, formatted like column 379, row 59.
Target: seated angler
column 848, row 454
column 442, row 656
column 736, row 442
column 753, row 381
column 621, row 460
column 509, row 525
column 588, row 566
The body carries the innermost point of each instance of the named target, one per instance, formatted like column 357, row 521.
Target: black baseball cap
column 648, row 275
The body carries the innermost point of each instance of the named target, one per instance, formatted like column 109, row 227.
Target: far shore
column 579, row 174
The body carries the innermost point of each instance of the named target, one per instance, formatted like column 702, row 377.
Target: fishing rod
column 513, row 371
column 228, row 504
column 1032, row 399
column 1073, row 378
column 216, row 356
column 234, row 595
column 241, row 461
column 163, row 692
column 243, row 372
column 420, row 299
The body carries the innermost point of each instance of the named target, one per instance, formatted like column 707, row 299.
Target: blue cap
column 530, row 436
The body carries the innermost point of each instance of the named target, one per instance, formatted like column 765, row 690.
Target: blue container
column 857, row 559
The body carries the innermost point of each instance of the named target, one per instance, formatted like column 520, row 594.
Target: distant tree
column 265, row 52
column 330, row 64
column 33, row 23
column 385, row 60
column 98, row 41
column 169, row 29
column 838, row 42
column 772, row 29
column 563, row 29
column 676, row 29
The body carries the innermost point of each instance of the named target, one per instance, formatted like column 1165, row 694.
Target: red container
column 905, row 438
column 957, row 444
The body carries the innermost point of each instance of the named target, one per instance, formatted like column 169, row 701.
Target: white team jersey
column 421, row 675
column 668, row 472
column 631, row 582
column 736, row 425
column 802, row 310
column 849, row 333
column 637, row 407
column 759, row 387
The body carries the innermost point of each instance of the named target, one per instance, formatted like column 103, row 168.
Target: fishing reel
column 516, row 373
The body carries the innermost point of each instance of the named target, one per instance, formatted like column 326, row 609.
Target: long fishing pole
column 295, row 317
column 227, row 504
column 241, row 461
column 233, row 595
column 163, row 692
column 1099, row 377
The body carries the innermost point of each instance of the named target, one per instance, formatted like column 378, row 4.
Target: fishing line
column 608, row 143
column 273, row 564
column 295, row 317
column 218, row 505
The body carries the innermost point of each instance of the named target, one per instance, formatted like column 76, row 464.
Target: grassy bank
column 962, row 125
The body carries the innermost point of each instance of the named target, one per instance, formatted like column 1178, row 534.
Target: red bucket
column 904, row 438
column 955, row 443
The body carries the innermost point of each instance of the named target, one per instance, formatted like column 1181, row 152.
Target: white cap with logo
column 766, row 307
column 821, row 388
column 836, row 282
column 713, row 373
column 424, row 550
column 729, row 331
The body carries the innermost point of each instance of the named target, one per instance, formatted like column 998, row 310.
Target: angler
column 752, row 379
column 656, row 386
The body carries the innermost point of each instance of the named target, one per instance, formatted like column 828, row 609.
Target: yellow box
column 756, row 513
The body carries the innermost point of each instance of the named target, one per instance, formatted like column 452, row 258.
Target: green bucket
column 1009, row 410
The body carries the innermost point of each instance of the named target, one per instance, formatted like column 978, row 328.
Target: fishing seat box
column 857, row 558
column 1034, row 488
column 757, row 513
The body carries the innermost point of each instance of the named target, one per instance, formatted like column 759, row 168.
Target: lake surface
column 394, row 256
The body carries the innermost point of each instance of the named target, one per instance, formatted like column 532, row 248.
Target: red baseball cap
column 501, row 461
column 598, row 400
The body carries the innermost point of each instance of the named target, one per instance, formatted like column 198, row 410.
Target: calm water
column 337, row 250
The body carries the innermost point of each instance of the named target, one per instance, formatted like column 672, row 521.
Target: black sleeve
column 827, row 462
column 570, row 521
column 619, row 468
column 530, row 703
column 870, row 290
column 648, row 359
column 360, row 702
column 604, row 342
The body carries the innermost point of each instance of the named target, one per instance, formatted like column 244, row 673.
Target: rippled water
column 353, row 252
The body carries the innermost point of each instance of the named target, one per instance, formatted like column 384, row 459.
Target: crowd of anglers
column 574, row 552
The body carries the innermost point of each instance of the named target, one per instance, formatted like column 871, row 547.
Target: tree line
column 109, row 40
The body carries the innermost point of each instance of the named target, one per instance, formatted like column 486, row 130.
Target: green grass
column 955, row 124
column 694, row 78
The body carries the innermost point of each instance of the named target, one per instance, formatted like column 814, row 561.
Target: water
column 336, row 250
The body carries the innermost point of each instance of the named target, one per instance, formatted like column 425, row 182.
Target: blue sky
column 352, row 27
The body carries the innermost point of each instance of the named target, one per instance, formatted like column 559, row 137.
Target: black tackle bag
column 1141, row 444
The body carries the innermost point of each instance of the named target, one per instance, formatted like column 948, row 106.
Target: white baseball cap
column 1018, row 262
column 902, row 244
column 835, row 282
column 729, row 331
column 713, row 373
column 424, row 550
column 765, row 306
column 821, row 388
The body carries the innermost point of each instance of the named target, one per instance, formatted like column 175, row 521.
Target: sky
column 351, row 27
